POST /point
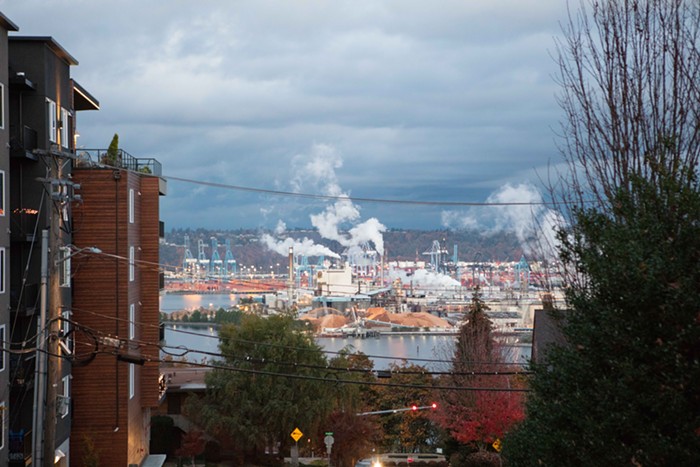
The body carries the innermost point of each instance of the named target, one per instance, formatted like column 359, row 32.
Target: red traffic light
column 433, row 406
column 414, row 407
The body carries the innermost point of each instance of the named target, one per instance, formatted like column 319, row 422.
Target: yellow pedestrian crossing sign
column 497, row 445
column 296, row 434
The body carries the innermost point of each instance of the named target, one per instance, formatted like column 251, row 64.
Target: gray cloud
column 424, row 101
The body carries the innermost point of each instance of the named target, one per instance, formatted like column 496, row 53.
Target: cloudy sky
column 404, row 100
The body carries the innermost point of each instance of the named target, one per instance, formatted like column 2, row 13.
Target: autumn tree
column 191, row 445
column 623, row 390
column 489, row 401
column 355, row 437
column 406, row 431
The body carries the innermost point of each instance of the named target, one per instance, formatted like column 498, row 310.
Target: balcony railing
column 23, row 300
column 20, row 446
column 23, row 146
column 121, row 159
column 21, row 370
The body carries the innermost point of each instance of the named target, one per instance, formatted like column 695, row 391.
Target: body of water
column 431, row 351
column 193, row 301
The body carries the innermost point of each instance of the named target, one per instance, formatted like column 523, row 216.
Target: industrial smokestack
column 291, row 266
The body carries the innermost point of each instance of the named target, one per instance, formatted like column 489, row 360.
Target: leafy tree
column 252, row 404
column 192, row 445
column 355, row 437
column 478, row 418
column 406, row 431
column 623, row 391
column 196, row 317
column 232, row 316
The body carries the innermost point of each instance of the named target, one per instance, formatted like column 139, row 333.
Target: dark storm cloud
column 422, row 100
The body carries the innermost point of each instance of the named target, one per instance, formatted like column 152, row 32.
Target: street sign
column 329, row 443
column 296, row 434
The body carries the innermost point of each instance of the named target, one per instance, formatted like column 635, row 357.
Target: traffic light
column 414, row 407
column 433, row 405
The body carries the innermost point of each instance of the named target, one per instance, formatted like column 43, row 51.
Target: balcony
column 22, row 371
column 24, row 146
column 23, row 224
column 24, row 302
column 91, row 158
column 20, row 447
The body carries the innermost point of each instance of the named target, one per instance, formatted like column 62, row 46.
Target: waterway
column 431, row 351
column 177, row 302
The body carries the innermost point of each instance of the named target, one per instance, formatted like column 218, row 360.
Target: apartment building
column 43, row 104
column 116, row 297
column 79, row 309
column 5, row 27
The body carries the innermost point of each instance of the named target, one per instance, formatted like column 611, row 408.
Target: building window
column 65, row 127
column 64, row 267
column 2, row 192
column 132, row 321
column 51, row 119
column 132, row 272
column 64, row 398
column 131, row 205
column 2, row 270
column 2, row 106
column 4, row 351
column 132, row 382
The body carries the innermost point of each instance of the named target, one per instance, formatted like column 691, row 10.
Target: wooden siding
column 102, row 295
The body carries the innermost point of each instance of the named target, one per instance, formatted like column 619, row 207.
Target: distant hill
column 248, row 250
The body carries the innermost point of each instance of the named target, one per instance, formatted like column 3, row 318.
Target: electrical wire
column 270, row 344
column 353, row 198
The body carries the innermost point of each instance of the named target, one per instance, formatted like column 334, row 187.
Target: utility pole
column 62, row 193
column 40, row 362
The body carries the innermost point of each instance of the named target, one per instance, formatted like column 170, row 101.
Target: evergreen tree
column 477, row 418
column 111, row 157
column 623, row 390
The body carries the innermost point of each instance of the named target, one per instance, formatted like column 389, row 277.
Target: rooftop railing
column 121, row 159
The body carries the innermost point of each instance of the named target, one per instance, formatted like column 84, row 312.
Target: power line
column 353, row 198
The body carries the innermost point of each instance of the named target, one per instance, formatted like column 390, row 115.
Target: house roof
column 185, row 379
column 7, row 24
column 50, row 43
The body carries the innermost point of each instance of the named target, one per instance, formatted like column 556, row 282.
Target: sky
column 404, row 100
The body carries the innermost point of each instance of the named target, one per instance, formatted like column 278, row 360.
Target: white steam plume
column 533, row 224
column 316, row 171
column 305, row 247
column 424, row 279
